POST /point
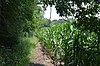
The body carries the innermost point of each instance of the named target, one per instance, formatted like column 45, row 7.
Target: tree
column 83, row 10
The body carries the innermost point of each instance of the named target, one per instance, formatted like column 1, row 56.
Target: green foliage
column 44, row 22
column 60, row 21
column 74, row 7
column 16, row 56
column 15, row 21
column 92, row 24
column 84, row 11
column 70, row 45
column 41, row 22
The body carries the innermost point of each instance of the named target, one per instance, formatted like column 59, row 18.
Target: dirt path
column 40, row 58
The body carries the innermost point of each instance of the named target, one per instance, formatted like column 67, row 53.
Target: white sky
column 54, row 15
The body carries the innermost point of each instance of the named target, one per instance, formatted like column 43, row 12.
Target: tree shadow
column 32, row 64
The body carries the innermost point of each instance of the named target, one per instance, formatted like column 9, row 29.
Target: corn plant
column 70, row 45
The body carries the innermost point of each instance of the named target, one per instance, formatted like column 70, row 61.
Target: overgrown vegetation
column 16, row 25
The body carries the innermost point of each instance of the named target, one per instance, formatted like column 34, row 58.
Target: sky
column 54, row 15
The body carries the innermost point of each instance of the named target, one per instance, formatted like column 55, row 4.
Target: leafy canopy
column 84, row 11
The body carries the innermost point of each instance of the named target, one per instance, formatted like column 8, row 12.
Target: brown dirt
column 40, row 58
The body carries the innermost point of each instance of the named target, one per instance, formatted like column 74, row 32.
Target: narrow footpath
column 40, row 58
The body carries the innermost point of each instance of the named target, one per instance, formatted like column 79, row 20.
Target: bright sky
column 54, row 15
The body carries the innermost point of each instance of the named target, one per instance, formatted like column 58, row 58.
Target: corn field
column 70, row 46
